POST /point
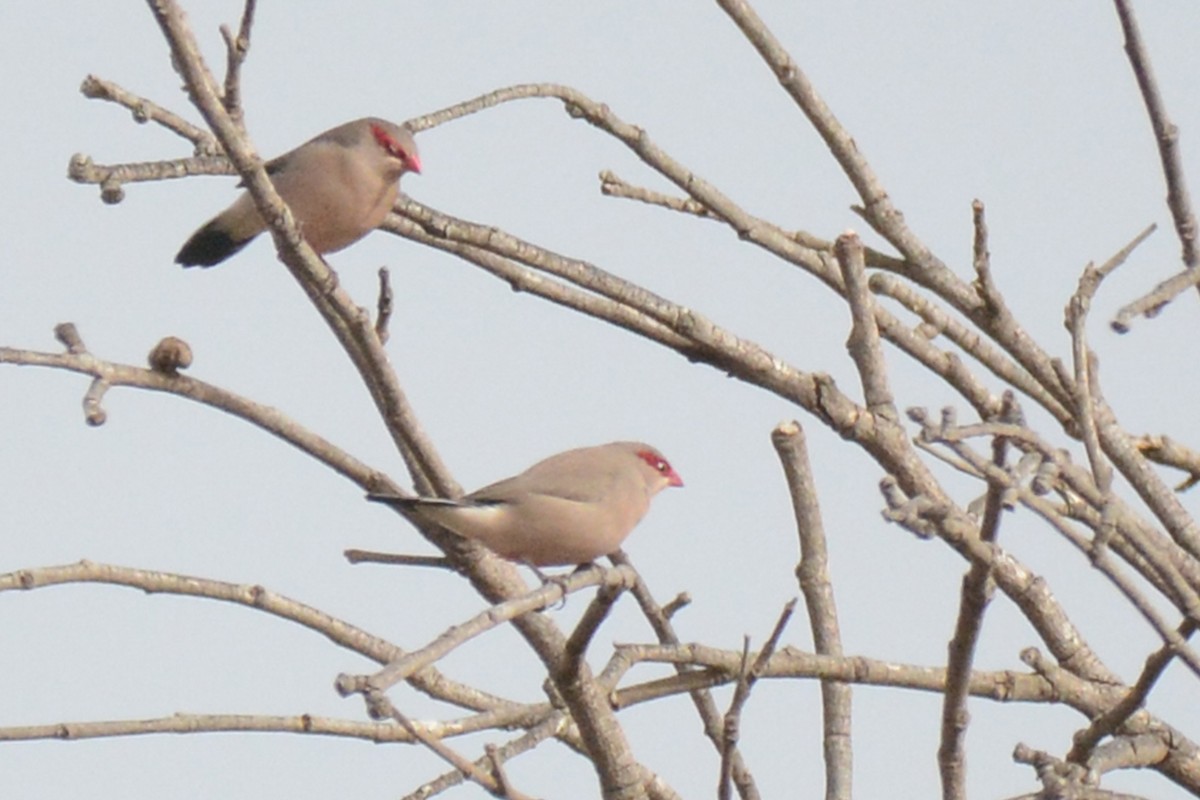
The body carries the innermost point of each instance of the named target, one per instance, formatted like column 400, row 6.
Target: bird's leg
column 558, row 580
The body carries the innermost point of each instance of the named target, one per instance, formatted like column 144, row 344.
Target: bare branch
column 383, row 708
column 1064, row 779
column 863, row 343
column 812, row 573
column 974, row 345
column 236, row 50
column 595, row 614
column 527, row 741
column 383, row 306
column 1175, row 753
column 878, row 210
column 613, row 185
column 493, row 617
column 1156, row 560
column 304, row 724
column 731, row 724
column 701, row 698
column 267, row 418
column 719, row 667
column 428, row 680
column 352, row 328
column 1110, row 722
column 112, row 178
column 747, row 676
column 677, row 604
column 1086, row 379
column 1166, row 451
column 1166, row 136
column 145, row 110
column 974, row 597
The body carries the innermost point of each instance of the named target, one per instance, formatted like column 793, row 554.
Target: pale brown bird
column 570, row 508
column 339, row 185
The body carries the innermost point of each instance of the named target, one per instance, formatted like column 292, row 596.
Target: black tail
column 409, row 503
column 392, row 500
column 208, row 247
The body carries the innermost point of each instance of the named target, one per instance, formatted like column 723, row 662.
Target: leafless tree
column 961, row 331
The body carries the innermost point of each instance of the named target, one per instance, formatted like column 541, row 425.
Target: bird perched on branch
column 339, row 185
column 570, row 508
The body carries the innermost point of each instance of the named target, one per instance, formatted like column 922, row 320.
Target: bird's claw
column 558, row 580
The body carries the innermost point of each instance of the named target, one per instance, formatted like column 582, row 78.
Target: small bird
column 570, row 508
column 339, row 185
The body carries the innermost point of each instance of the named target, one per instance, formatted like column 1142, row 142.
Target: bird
column 339, row 185
column 570, row 508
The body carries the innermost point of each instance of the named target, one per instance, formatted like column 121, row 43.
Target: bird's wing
column 555, row 484
column 274, row 168
column 277, row 165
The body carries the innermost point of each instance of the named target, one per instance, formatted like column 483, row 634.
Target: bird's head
column 397, row 141
column 665, row 474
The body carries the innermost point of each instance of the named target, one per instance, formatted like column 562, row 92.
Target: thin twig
column 1137, row 544
column 731, row 725
column 1166, row 136
column 1166, row 451
column 1062, row 779
column 1106, row 724
column 527, row 741
column 701, row 698
column 748, row 675
column 383, row 306
column 974, row 597
column 613, row 185
column 968, row 339
column 457, row 635
column 236, row 50
column 676, row 604
column 259, row 599
column 302, row 724
column 145, row 110
column 863, row 344
column 595, row 614
column 878, row 209
column 1086, row 381
column 267, row 418
column 382, row 708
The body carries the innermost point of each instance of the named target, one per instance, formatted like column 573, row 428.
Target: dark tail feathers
column 392, row 500
column 208, row 247
column 408, row 503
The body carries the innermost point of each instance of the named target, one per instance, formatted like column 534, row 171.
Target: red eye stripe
column 385, row 141
column 394, row 149
column 662, row 466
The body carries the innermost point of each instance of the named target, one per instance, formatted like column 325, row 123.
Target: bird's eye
column 384, row 140
column 662, row 466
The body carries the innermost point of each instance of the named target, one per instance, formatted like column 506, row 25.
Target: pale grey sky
column 1030, row 107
